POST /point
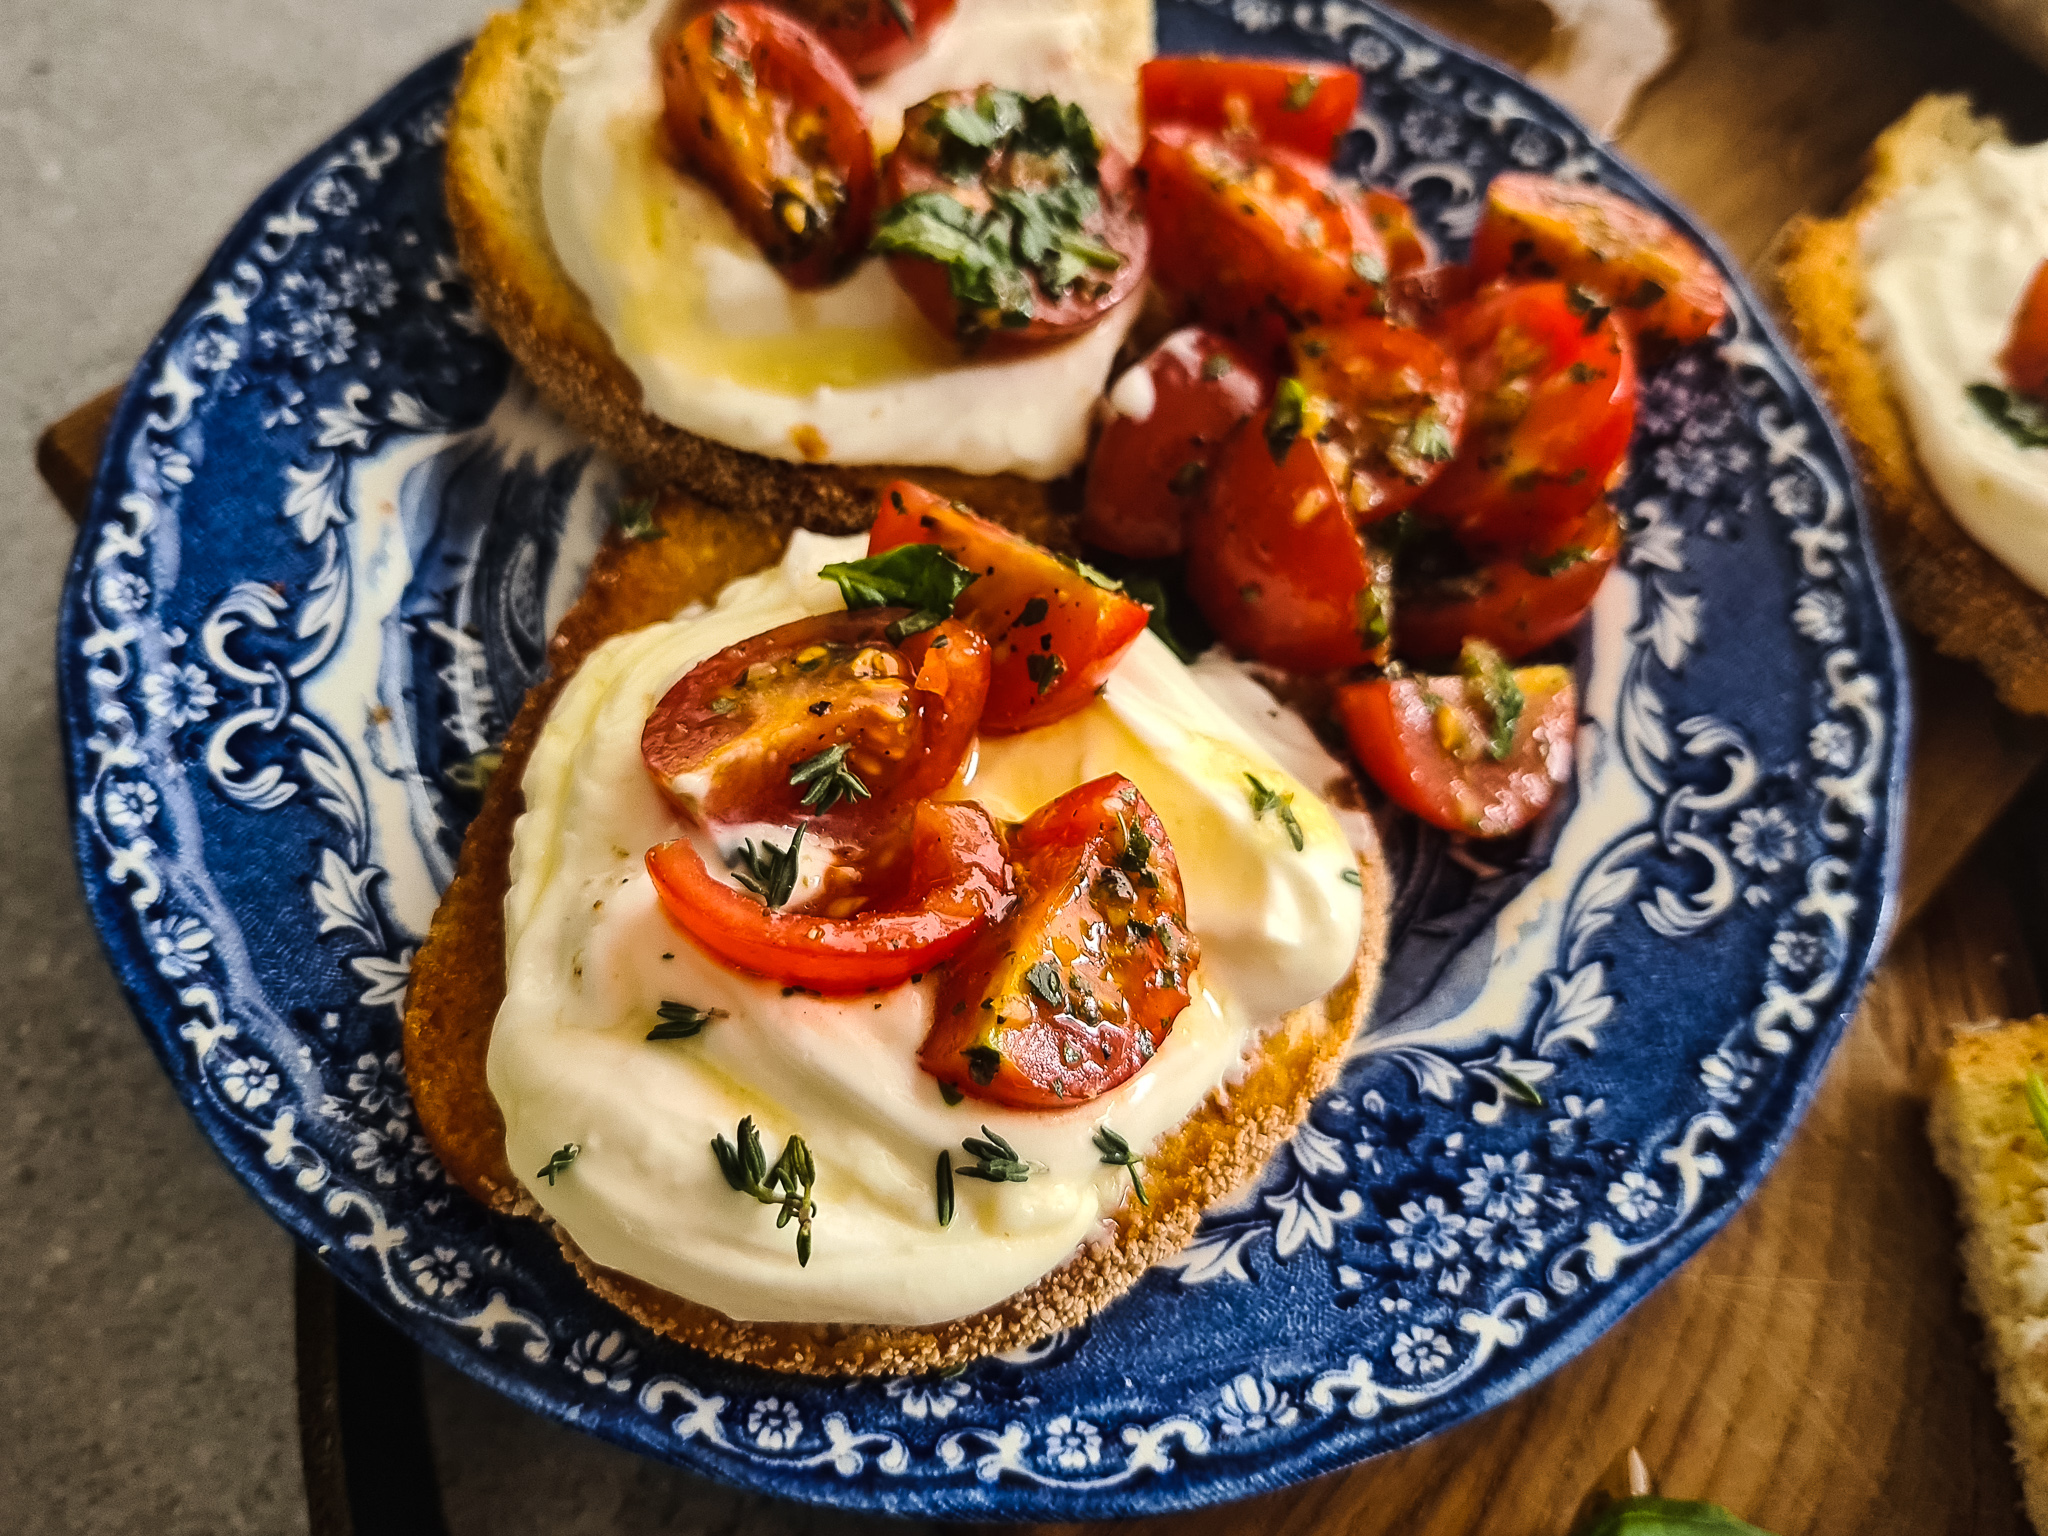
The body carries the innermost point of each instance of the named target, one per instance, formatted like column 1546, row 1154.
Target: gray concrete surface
column 145, row 1302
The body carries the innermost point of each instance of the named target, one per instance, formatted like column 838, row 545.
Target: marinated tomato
column 1393, row 412
column 767, row 114
column 1302, row 105
column 1518, row 603
column 1055, row 630
column 1076, row 988
column 873, row 37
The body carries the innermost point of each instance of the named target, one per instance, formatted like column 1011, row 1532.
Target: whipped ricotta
column 853, row 374
column 591, row 956
column 1945, row 264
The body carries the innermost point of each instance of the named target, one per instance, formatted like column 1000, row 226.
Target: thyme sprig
column 559, row 1160
column 788, row 1184
column 995, row 1160
column 1266, row 799
column 829, row 778
column 945, row 1188
column 635, row 517
column 769, row 872
column 681, row 1021
column 1118, row 1154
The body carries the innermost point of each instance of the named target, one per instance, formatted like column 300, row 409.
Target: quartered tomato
column 1395, row 415
column 1408, row 250
column 1276, row 561
column 1659, row 284
column 1299, row 105
column 2025, row 358
column 1551, row 383
column 1260, row 241
column 730, row 742
column 1168, row 414
column 873, row 36
column 1056, row 630
column 1075, row 989
column 955, row 883
column 1457, row 753
column 1518, row 603
column 1007, row 220
column 768, row 115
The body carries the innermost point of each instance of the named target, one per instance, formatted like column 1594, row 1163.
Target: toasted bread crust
column 509, row 88
column 1947, row 585
column 458, row 982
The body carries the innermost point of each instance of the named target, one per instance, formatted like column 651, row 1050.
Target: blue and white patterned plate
column 329, row 538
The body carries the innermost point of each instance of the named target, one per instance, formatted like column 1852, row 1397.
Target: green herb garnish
column 2020, row 417
column 680, row 1021
column 1580, row 302
column 995, row 1160
column 1150, row 591
column 769, row 872
column 559, row 1161
column 1091, row 575
column 1666, row 1517
column 1494, row 681
column 1557, row 563
column 2037, row 1102
column 1518, row 1087
column 1044, row 979
column 829, row 778
column 635, row 518
column 1044, row 668
column 945, row 1188
column 1353, row 877
column 950, row 1094
column 1118, row 1154
column 1300, row 92
column 1137, row 851
column 983, row 1062
column 920, row 577
column 1284, row 421
column 788, row 1184
column 475, row 772
column 901, row 11
column 1265, row 799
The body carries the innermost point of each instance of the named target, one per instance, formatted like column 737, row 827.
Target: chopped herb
column 2020, row 417
column 1150, row 591
column 1089, row 574
column 680, row 1021
column 945, row 1189
column 1494, row 681
column 1137, row 848
column 1265, row 799
column 1216, row 366
column 1665, row 1517
column 475, row 772
column 1118, row 1154
column 1429, row 440
column 1284, row 421
column 1044, row 979
column 1580, row 373
column 769, row 872
column 901, row 11
column 722, row 30
column 1044, row 669
column 559, row 1161
column 1368, row 267
column 1580, row 302
column 1034, row 613
column 1372, row 613
column 1188, row 478
column 788, row 1184
column 920, row 577
column 2037, row 1102
column 1300, row 92
column 1558, row 562
column 1646, row 294
column 1353, row 877
column 636, row 519
column 950, row 1094
column 1518, row 1087
column 983, row 1062
column 724, row 706
column 995, row 1160
column 830, row 780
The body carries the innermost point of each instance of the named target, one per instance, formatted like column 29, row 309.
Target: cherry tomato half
column 767, row 114
column 956, row 883
column 1551, row 382
column 1658, row 282
column 1168, row 413
column 1276, row 562
column 1073, row 991
column 873, row 37
column 1260, row 241
column 2025, row 358
column 730, row 741
column 1518, row 603
column 1396, row 410
column 1428, row 742
column 1056, row 631
column 1302, row 105
column 1008, row 220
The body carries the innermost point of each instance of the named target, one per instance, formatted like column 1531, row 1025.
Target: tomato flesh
column 1551, row 385
column 725, row 740
column 1408, row 249
column 873, row 37
column 1055, row 634
column 1277, row 564
column 1302, row 105
column 1260, row 241
column 1076, row 988
column 1169, row 413
column 1397, row 410
column 1424, row 740
column 1659, row 283
column 769, row 116
column 1518, row 603
column 2025, row 358
column 955, row 884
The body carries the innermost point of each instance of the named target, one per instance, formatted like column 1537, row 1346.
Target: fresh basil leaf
column 920, row 577
column 2020, row 417
column 1284, row 421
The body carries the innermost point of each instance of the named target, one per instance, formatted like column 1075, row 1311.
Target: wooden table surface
column 1812, row 1368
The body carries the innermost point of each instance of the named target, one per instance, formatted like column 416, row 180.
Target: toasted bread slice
column 1987, row 1143
column 458, row 982
column 1947, row 585
column 496, row 130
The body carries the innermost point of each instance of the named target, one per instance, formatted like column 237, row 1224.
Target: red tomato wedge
column 767, row 114
column 1298, row 105
column 2025, row 358
column 1056, row 631
column 1259, row 241
column 1659, row 284
column 1168, row 414
column 1008, row 220
column 1276, row 562
column 1430, row 742
column 873, row 37
column 1518, row 603
column 1396, row 410
column 1551, row 385
column 957, row 882
column 730, row 741
column 1075, row 989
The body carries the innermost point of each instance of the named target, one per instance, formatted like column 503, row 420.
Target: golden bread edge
column 496, row 129
column 1946, row 584
column 458, row 982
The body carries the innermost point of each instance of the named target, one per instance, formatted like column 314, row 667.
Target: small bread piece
column 496, row 129
column 1987, row 1143
column 458, row 982
column 1947, row 585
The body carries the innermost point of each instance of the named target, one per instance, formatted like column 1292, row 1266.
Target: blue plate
column 329, row 539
